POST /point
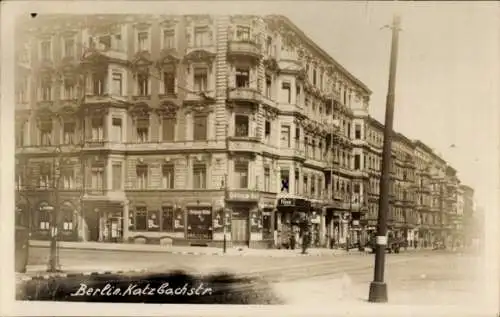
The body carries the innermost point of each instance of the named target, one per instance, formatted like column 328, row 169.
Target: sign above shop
column 199, row 211
column 243, row 196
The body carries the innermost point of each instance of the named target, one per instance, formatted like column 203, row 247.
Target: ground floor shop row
column 263, row 222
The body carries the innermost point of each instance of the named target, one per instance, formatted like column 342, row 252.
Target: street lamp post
column 53, row 265
column 378, row 288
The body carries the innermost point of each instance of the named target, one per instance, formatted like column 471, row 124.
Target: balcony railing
column 244, row 48
column 244, row 94
column 244, row 144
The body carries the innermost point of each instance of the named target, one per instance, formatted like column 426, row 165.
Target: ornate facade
column 175, row 129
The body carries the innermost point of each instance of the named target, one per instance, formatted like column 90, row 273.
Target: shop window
column 44, row 216
column 141, row 219
column 153, row 220
column 67, row 218
column 199, row 223
column 267, row 230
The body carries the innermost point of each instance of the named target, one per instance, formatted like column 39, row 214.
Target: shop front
column 42, row 218
column 289, row 212
column 103, row 221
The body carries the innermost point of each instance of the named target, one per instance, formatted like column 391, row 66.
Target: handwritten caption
column 135, row 289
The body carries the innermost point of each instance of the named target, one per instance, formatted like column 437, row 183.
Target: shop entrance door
column 239, row 227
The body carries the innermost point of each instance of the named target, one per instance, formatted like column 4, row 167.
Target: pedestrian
column 292, row 240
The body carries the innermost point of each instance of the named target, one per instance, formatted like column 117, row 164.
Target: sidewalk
column 187, row 250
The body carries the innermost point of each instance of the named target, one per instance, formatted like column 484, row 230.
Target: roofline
column 429, row 150
column 325, row 55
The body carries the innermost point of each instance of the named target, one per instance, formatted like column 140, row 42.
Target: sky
column 447, row 73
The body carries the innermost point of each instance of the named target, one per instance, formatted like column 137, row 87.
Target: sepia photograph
column 305, row 157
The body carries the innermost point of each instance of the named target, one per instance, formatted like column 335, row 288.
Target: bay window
column 117, row 84
column 116, row 130
column 241, row 125
column 98, row 84
column 242, row 77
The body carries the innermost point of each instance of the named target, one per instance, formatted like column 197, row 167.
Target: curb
column 48, row 276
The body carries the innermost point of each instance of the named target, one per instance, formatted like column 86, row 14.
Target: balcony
column 244, row 48
column 99, row 145
column 292, row 152
column 244, row 94
column 175, row 146
column 246, row 195
column 103, row 99
column 99, row 53
column 199, row 97
column 244, row 144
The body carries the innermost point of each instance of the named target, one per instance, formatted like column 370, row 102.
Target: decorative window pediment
column 199, row 56
column 140, row 111
column 168, row 109
column 168, row 57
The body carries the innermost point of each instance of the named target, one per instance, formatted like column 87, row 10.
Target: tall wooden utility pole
column 378, row 288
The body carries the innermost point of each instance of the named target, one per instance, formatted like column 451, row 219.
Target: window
column 98, row 84
column 297, row 180
column 167, row 219
column 44, row 217
column 200, row 128
column 68, row 178
column 153, row 220
column 285, row 86
column 45, row 137
column 69, row 132
column 69, row 47
column 22, row 90
column 142, row 127
column 142, row 41
column 200, row 79
column 357, row 131
column 143, row 84
column 142, row 176
column 46, row 89
column 267, row 130
column 268, row 86
column 97, row 129
column 46, row 50
column 168, row 38
column 45, row 176
column 201, row 36
column 269, row 45
column 267, row 179
column 168, row 129
column 297, row 138
column 305, row 185
column 117, row 84
column 199, row 176
column 168, row 176
column 169, row 83
column 104, row 42
column 242, row 77
column 242, row 126
column 297, row 94
column 285, row 136
column 116, row 130
column 313, row 185
column 241, row 174
column 285, row 181
column 97, row 178
column 242, row 33
column 21, row 130
column 117, row 175
column 69, row 89
column 141, row 215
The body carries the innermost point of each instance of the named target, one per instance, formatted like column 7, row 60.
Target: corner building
column 161, row 129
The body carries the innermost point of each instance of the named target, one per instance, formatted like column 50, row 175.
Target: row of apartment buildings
column 176, row 129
